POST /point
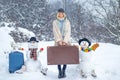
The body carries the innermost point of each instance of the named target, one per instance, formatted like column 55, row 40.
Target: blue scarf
column 61, row 25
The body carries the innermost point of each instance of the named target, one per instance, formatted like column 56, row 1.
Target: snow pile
column 5, row 40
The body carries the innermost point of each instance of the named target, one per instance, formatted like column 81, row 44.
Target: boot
column 60, row 74
column 63, row 74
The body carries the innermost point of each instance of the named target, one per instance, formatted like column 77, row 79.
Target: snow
column 106, row 60
column 26, row 32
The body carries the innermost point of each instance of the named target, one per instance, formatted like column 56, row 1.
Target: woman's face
column 61, row 15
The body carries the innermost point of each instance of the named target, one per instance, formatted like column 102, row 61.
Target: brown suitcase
column 62, row 55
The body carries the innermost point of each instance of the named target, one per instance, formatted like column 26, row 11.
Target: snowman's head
column 84, row 43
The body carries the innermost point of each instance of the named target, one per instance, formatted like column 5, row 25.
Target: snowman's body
column 86, row 65
column 33, row 63
column 86, row 62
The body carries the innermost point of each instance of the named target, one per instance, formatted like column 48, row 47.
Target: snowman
column 86, row 55
column 33, row 63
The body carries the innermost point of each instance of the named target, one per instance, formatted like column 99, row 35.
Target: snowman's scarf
column 93, row 47
column 86, row 50
column 33, row 53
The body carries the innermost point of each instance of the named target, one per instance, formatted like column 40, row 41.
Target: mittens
column 95, row 46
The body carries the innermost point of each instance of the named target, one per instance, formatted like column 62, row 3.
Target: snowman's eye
column 84, row 43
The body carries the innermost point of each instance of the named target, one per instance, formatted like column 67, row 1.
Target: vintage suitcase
column 62, row 55
column 16, row 60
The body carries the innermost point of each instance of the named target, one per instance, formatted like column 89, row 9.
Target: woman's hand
column 59, row 43
column 63, row 43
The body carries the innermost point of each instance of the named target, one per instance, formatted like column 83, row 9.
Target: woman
column 62, row 32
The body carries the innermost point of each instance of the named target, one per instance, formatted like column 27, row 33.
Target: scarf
column 61, row 25
column 86, row 50
column 33, row 53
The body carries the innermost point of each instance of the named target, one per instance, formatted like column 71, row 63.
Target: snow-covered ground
column 106, row 61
